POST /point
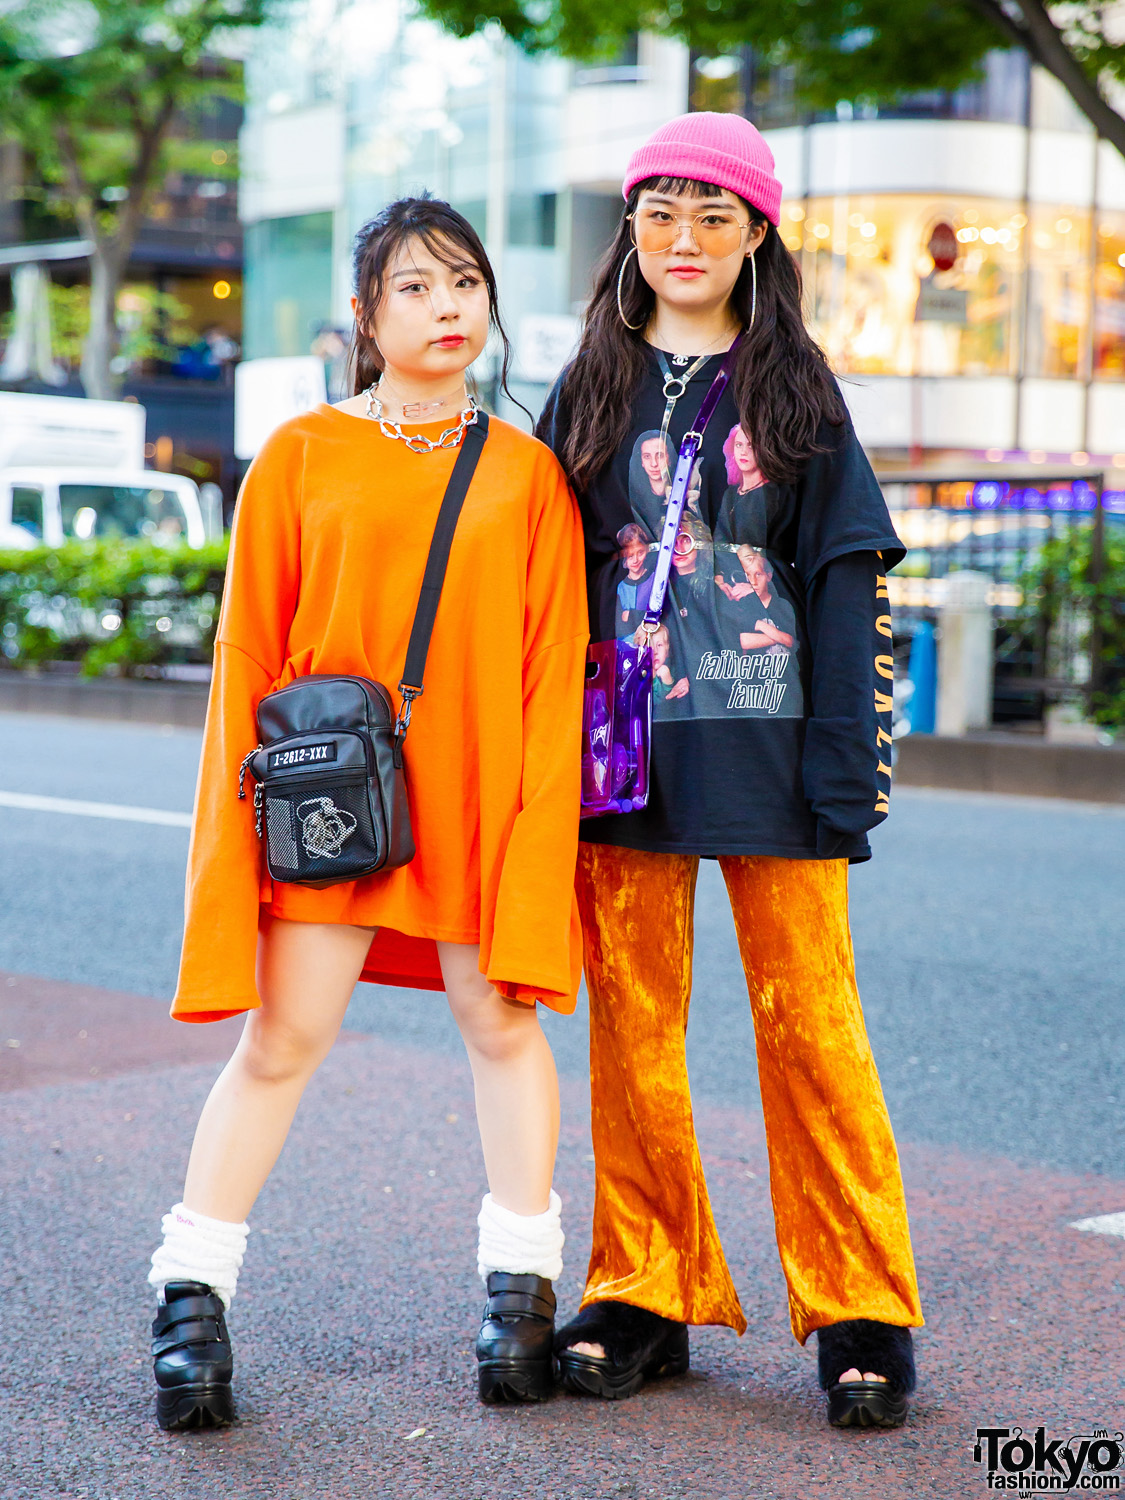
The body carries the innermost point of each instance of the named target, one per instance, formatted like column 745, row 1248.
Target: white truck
column 74, row 469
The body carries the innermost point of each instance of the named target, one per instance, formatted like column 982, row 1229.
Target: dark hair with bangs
column 781, row 382
column 447, row 235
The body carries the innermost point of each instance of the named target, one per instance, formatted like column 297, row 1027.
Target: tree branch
column 1045, row 44
column 77, row 185
column 1053, row 53
column 150, row 137
column 993, row 11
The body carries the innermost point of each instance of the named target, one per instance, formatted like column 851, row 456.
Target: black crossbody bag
column 330, row 795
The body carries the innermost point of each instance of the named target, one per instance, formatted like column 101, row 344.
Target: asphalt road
column 990, row 948
column 989, row 941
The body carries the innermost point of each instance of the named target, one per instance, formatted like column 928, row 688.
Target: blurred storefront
column 179, row 310
column 963, row 254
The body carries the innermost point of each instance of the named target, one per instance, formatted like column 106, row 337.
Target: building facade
column 179, row 309
column 963, row 254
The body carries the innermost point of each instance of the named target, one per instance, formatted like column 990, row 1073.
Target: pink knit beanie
column 723, row 149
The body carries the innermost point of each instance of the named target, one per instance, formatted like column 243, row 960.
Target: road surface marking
column 1103, row 1224
column 28, row 803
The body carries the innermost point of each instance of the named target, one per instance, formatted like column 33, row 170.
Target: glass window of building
column 288, row 284
column 1109, row 299
column 769, row 93
column 1052, row 108
column 882, row 304
column 1058, row 302
column 623, row 67
column 531, row 219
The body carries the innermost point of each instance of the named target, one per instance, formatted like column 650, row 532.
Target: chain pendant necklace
column 671, row 380
column 680, row 360
column 675, row 384
column 418, row 442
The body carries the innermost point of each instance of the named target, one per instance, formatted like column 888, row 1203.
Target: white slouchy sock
column 522, row 1244
column 197, row 1248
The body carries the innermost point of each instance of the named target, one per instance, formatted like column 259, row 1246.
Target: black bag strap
column 437, row 561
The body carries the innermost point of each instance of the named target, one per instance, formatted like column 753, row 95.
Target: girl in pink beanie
column 772, row 757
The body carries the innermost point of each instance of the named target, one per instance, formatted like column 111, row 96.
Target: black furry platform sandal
column 192, row 1359
column 639, row 1345
column 862, row 1344
column 514, row 1345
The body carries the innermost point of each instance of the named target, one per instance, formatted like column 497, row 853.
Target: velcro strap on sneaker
column 197, row 1331
column 521, row 1304
column 184, row 1309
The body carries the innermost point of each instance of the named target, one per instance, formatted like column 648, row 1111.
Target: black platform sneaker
column 515, row 1343
column 863, row 1344
column 639, row 1345
column 192, row 1359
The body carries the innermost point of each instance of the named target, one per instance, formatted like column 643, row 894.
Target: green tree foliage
column 150, row 323
column 856, row 50
column 104, row 96
column 1074, row 595
column 111, row 605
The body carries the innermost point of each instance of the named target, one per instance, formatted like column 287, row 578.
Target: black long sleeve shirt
column 771, row 720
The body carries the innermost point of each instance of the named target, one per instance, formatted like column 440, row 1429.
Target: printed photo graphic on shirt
column 666, row 686
column 638, row 563
column 742, row 462
column 649, row 480
column 762, row 668
column 728, row 644
column 744, row 513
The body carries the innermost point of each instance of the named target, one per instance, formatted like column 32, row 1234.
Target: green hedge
column 114, row 605
column 1063, row 588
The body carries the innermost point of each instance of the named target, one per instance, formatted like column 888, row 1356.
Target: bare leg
column 306, row 974
column 517, row 1090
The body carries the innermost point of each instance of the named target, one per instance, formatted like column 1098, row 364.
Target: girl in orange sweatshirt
column 331, row 535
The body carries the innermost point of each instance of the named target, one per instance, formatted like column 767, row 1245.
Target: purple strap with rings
column 617, row 701
column 677, row 495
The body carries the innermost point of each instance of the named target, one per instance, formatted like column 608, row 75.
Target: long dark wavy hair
column 781, row 382
column 446, row 234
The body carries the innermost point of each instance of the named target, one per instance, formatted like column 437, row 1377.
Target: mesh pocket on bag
column 324, row 831
column 280, row 838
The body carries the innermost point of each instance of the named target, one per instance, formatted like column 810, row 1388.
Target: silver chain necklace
column 417, row 442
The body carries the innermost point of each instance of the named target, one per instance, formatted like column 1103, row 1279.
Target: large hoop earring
column 620, row 307
column 754, row 289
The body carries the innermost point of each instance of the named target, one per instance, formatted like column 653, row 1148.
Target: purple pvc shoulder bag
column 617, row 704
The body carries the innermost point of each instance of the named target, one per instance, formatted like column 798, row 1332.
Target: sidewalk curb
column 1012, row 764
column 180, row 703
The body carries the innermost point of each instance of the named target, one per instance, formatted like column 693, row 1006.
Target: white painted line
column 1103, row 1224
column 27, row 803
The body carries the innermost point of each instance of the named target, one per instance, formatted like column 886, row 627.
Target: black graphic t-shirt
column 771, row 709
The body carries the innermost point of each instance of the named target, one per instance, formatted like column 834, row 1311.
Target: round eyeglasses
column 717, row 232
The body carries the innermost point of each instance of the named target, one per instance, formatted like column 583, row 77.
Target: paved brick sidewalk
column 358, row 1303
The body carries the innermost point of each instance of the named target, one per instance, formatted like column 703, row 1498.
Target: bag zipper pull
column 242, row 770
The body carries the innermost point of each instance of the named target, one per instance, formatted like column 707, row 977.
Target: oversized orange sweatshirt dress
column 330, row 540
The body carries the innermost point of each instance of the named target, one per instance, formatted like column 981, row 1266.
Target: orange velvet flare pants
column 839, row 1210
